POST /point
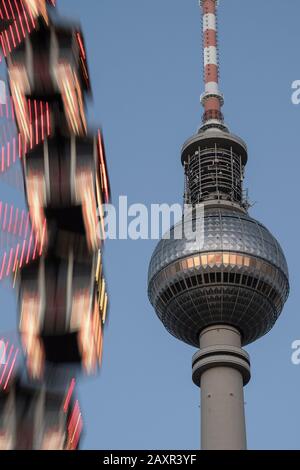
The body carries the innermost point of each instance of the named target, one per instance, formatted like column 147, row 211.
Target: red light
column 37, row 114
column 7, row 40
column 27, row 223
column 48, row 119
column 20, row 146
column 35, row 247
column 10, row 218
column 74, row 427
column 69, row 395
column 22, row 254
column 4, row 218
column 3, row 44
column 31, row 17
column 3, row 264
column 16, row 221
column 26, row 19
column 16, row 259
column 81, row 46
column 21, row 224
column 20, row 19
column 11, row 369
column 42, row 119
column 9, row 262
column 6, row 11
column 36, row 123
column 103, row 168
column 8, row 154
column 74, row 416
column 43, row 237
column 14, row 149
column 29, row 245
column 6, row 364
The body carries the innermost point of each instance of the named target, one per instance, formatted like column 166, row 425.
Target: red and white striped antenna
column 212, row 99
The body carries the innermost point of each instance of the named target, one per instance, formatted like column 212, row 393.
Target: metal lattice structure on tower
column 58, row 263
column 229, row 288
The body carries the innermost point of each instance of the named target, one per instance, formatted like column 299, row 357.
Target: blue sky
column 146, row 69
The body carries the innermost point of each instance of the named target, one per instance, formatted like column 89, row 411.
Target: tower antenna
column 212, row 99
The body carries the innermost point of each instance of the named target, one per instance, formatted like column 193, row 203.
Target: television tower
column 228, row 290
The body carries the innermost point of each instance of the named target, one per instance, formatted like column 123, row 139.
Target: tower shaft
column 221, row 368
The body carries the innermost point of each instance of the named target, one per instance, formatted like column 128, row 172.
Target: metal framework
column 214, row 173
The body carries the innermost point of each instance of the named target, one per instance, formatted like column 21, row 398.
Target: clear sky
column 146, row 70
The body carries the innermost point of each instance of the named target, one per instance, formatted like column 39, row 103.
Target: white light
column 2, row 92
column 2, row 353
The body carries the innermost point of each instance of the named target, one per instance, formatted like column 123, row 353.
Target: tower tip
column 212, row 99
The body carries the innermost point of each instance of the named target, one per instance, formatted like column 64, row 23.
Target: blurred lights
column 36, row 197
column 32, row 116
column 71, row 92
column 36, row 8
column 89, row 325
column 23, row 253
column 29, row 330
column 53, row 439
column 80, row 308
column 103, row 168
column 7, row 364
column 22, row 16
column 74, row 428
column 35, row 357
column 19, row 87
column 69, row 395
column 6, row 440
column 49, row 425
column 86, row 195
column 81, row 45
column 19, row 24
column 35, row 120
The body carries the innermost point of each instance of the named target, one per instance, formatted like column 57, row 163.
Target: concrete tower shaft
column 221, row 368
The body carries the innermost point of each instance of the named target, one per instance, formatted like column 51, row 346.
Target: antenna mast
column 212, row 99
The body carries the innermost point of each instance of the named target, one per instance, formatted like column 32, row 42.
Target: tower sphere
column 236, row 275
